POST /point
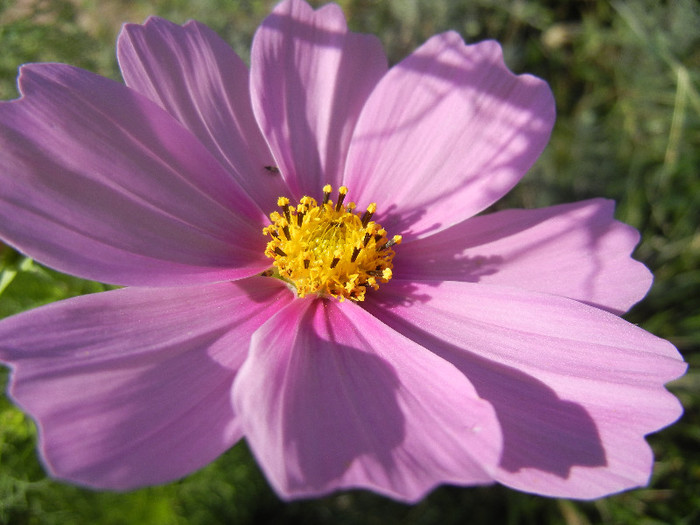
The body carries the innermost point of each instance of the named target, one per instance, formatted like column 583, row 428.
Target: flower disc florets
column 328, row 249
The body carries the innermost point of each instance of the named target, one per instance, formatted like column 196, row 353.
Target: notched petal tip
column 491, row 52
column 575, row 250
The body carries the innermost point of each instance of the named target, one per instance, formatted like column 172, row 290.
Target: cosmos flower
column 304, row 267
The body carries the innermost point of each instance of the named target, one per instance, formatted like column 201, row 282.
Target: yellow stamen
column 328, row 249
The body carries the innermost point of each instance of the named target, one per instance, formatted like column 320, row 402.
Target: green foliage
column 626, row 78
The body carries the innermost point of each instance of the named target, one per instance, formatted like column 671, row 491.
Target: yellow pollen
column 327, row 248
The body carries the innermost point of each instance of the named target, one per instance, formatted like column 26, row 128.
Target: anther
column 355, row 253
column 306, row 264
column 368, row 214
column 279, row 251
column 307, row 202
column 335, row 262
column 395, row 240
column 283, row 202
column 327, row 189
column 342, row 192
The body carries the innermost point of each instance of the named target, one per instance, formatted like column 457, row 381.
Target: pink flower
column 488, row 349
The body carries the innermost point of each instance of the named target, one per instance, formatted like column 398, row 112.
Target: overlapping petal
column 576, row 250
column 196, row 76
column 99, row 182
column 575, row 388
column 331, row 398
column 310, row 78
column 447, row 132
column 132, row 387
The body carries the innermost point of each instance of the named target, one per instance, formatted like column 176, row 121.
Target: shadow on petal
column 122, row 383
column 540, row 430
column 354, row 415
column 450, row 132
column 331, row 398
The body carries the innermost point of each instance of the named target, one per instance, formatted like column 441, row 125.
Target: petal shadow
column 540, row 430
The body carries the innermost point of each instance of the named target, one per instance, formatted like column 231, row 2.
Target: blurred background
column 626, row 78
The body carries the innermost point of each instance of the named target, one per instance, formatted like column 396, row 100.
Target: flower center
column 328, row 249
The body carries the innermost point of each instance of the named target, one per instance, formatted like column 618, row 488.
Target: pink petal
column 331, row 398
column 575, row 388
column 132, row 387
column 310, row 78
column 193, row 74
column 576, row 250
column 97, row 181
column 447, row 132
